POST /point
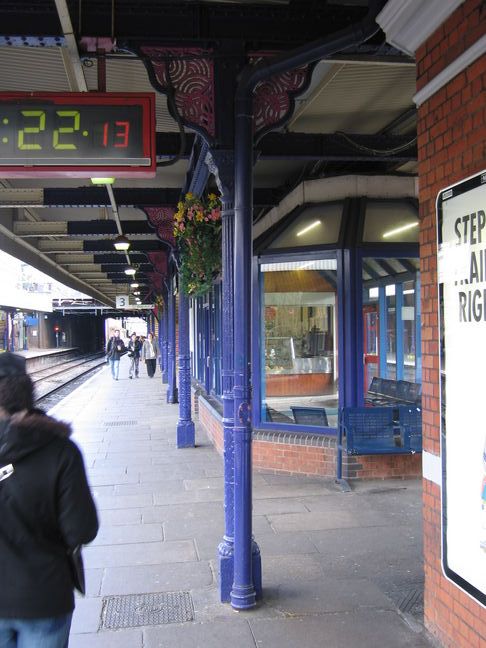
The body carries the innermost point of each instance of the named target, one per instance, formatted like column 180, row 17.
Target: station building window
column 337, row 302
column 299, row 350
column 391, row 318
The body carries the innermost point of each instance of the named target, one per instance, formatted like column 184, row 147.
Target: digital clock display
column 75, row 134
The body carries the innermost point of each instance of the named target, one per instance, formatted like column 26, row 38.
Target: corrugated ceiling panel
column 32, row 69
column 377, row 93
column 130, row 75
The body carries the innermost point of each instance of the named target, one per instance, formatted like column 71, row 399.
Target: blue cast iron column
column 159, row 339
column 171, row 345
column 163, row 341
column 243, row 594
column 221, row 165
column 185, row 425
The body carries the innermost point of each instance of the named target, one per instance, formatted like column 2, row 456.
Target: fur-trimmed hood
column 25, row 432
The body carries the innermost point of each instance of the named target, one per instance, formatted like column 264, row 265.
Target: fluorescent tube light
column 399, row 230
column 308, row 228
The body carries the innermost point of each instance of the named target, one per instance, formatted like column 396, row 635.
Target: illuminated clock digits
column 63, row 146
column 41, row 115
column 122, row 134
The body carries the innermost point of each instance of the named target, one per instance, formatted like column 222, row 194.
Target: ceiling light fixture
column 399, row 230
column 130, row 270
column 102, row 181
column 121, row 243
column 134, row 285
column 309, row 228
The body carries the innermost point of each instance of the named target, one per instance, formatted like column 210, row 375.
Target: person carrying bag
column 47, row 513
column 150, row 352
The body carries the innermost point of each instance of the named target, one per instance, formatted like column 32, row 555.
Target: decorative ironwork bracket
column 162, row 220
column 189, row 74
column 274, row 98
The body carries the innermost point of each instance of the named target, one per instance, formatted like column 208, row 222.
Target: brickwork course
column 451, row 147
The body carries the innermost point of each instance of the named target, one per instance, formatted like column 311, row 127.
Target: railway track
column 51, row 379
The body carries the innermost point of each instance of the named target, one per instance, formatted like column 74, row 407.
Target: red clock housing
column 77, row 135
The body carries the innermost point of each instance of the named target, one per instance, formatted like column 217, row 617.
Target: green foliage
column 197, row 230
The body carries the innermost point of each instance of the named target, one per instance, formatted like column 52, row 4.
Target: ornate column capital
column 162, row 220
column 221, row 164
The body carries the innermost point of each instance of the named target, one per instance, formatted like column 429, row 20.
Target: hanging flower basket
column 197, row 230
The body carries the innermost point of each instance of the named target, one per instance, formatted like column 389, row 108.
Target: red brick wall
column 451, row 147
column 312, row 459
column 294, row 459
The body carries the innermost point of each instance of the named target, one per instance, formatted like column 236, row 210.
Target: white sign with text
column 462, row 294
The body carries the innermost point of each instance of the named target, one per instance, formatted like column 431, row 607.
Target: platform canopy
column 353, row 113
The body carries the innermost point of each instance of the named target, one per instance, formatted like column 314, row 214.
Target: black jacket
column 134, row 348
column 45, row 508
column 115, row 348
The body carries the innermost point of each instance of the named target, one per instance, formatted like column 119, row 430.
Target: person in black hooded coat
column 46, row 510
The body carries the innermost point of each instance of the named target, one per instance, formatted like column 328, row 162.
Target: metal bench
column 383, row 391
column 410, row 422
column 373, row 431
column 310, row 415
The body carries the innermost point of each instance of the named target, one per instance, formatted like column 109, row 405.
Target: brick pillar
column 451, row 147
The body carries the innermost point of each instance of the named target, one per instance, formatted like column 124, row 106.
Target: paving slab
column 112, row 639
column 194, row 510
column 87, row 617
column 220, row 634
column 120, row 516
column 128, row 533
column 336, row 565
column 157, row 578
column 344, row 630
column 146, row 553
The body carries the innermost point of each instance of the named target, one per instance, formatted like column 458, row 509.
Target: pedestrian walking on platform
column 114, row 351
column 134, row 350
column 150, row 352
column 46, row 513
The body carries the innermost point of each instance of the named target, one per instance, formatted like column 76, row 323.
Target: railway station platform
column 340, row 569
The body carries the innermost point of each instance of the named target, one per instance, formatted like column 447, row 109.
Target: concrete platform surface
column 340, row 570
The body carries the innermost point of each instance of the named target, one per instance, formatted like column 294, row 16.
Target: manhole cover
column 146, row 609
column 119, row 423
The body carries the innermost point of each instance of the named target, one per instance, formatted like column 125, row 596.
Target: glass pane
column 391, row 326
column 389, row 330
column 316, row 225
column 409, row 331
column 299, row 356
column 390, row 222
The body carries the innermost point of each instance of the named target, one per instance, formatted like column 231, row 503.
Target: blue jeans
column 52, row 632
column 115, row 368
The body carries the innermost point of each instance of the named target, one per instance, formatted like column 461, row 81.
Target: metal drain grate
column 119, row 423
column 146, row 609
column 411, row 600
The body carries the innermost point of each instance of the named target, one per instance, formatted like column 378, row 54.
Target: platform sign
column 122, row 301
column 461, row 212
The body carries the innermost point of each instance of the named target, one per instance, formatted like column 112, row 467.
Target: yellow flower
column 189, row 196
column 212, row 196
column 199, row 216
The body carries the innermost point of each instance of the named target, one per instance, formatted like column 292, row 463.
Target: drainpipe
column 243, row 592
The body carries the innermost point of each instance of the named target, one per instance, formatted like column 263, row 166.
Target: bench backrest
column 365, row 425
column 401, row 390
column 310, row 415
column 410, row 421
